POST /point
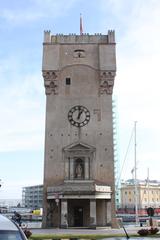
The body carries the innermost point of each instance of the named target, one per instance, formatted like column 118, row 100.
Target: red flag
column 81, row 26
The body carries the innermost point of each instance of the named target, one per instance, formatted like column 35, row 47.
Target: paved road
column 130, row 230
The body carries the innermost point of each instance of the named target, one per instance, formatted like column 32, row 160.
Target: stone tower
column 79, row 72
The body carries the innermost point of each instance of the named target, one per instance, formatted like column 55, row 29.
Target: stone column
column 86, row 168
column 109, row 216
column 93, row 220
column 71, row 168
column 67, row 168
column 64, row 213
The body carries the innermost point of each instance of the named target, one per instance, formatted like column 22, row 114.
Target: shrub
column 27, row 233
column 143, row 232
column 153, row 230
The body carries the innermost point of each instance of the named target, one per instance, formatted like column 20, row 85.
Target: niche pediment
column 78, row 158
column 78, row 146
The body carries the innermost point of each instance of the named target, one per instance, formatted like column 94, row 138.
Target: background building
column 148, row 194
column 32, row 197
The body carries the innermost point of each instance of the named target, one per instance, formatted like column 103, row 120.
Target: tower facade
column 79, row 72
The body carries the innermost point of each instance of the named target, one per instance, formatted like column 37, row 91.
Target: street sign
column 150, row 211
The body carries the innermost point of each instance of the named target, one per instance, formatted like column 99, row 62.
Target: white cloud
column 35, row 10
column 14, row 188
column 137, row 83
column 22, row 114
column 18, row 16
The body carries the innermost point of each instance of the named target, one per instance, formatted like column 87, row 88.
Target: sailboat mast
column 148, row 186
column 135, row 176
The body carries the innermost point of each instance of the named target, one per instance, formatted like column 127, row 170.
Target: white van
column 10, row 230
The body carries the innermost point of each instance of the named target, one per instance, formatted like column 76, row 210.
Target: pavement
column 109, row 231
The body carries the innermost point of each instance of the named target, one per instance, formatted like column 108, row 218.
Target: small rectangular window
column 68, row 81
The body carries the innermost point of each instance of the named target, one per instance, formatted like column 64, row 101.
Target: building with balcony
column 32, row 196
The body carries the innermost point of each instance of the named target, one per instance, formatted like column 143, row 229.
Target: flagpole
column 81, row 25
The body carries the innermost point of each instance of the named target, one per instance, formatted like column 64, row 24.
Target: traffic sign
column 150, row 211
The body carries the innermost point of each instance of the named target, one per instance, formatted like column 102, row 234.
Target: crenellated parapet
column 106, row 82
column 51, row 81
column 47, row 36
column 111, row 36
column 74, row 38
column 74, row 51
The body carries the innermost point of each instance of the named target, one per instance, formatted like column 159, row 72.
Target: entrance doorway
column 78, row 216
column 78, row 212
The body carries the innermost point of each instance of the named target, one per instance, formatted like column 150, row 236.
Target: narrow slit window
column 68, row 81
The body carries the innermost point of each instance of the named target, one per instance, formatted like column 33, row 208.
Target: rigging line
column 125, row 155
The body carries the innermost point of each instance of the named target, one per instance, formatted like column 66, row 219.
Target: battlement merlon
column 85, row 38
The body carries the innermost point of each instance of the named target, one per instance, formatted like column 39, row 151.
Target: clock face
column 79, row 116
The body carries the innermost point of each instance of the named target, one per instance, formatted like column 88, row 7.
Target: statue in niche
column 79, row 170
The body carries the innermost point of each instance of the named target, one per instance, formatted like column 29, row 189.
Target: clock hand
column 79, row 114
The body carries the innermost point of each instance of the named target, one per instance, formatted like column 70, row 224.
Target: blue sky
column 21, row 85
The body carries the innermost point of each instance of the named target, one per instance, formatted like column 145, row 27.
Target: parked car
column 10, row 230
